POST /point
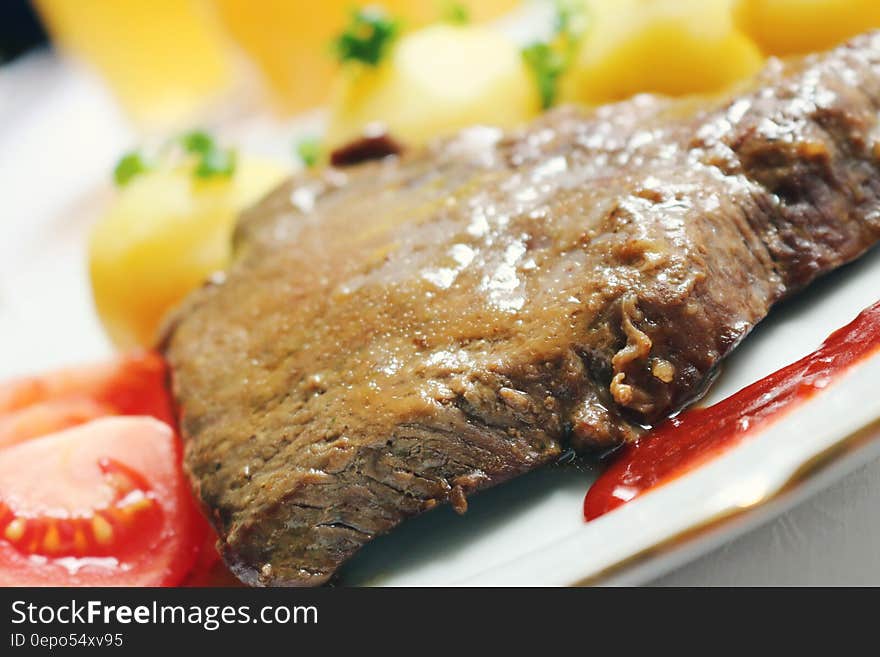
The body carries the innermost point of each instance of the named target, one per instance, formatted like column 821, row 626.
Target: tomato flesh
column 102, row 504
column 48, row 417
column 131, row 385
column 91, row 487
column 133, row 516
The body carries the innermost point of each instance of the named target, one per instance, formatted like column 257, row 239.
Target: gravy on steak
column 399, row 334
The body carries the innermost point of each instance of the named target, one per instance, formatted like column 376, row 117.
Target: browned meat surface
column 402, row 333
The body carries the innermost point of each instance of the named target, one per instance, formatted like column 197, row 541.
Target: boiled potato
column 435, row 81
column 165, row 233
column 784, row 27
column 298, row 70
column 665, row 46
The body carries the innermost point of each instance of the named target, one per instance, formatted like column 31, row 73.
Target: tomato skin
column 48, row 417
column 134, row 384
column 71, row 485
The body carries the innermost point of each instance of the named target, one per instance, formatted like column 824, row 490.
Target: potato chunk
column 165, row 233
column 785, row 27
column 664, row 46
column 436, row 80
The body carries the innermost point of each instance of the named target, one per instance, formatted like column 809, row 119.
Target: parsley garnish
column 217, row 162
column 571, row 19
column 367, row 38
column 456, row 13
column 212, row 160
column 130, row 166
column 550, row 60
column 547, row 66
column 309, row 151
column 198, row 142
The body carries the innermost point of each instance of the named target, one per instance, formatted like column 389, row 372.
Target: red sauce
column 696, row 436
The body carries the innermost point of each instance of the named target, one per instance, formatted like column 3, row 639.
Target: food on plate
column 90, row 499
column 664, row 46
column 308, row 151
column 698, row 435
column 101, row 504
column 400, row 334
column 786, row 27
column 375, row 144
column 288, row 39
column 431, row 82
column 133, row 384
column 551, row 59
column 166, row 231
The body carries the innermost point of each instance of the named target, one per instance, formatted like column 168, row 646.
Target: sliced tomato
column 101, row 504
column 109, row 517
column 48, row 417
column 130, row 385
column 209, row 569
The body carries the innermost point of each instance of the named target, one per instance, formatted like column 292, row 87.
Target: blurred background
column 169, row 61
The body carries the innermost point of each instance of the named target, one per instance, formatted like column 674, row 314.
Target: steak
column 402, row 333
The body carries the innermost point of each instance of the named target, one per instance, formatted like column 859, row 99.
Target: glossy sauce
column 684, row 442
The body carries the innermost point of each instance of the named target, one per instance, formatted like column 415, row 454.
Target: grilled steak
column 405, row 332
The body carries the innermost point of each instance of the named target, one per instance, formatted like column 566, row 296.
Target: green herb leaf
column 130, row 166
column 456, row 13
column 217, row 162
column 212, row 160
column 368, row 37
column 198, row 142
column 571, row 19
column 550, row 60
column 309, row 151
column 547, row 66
